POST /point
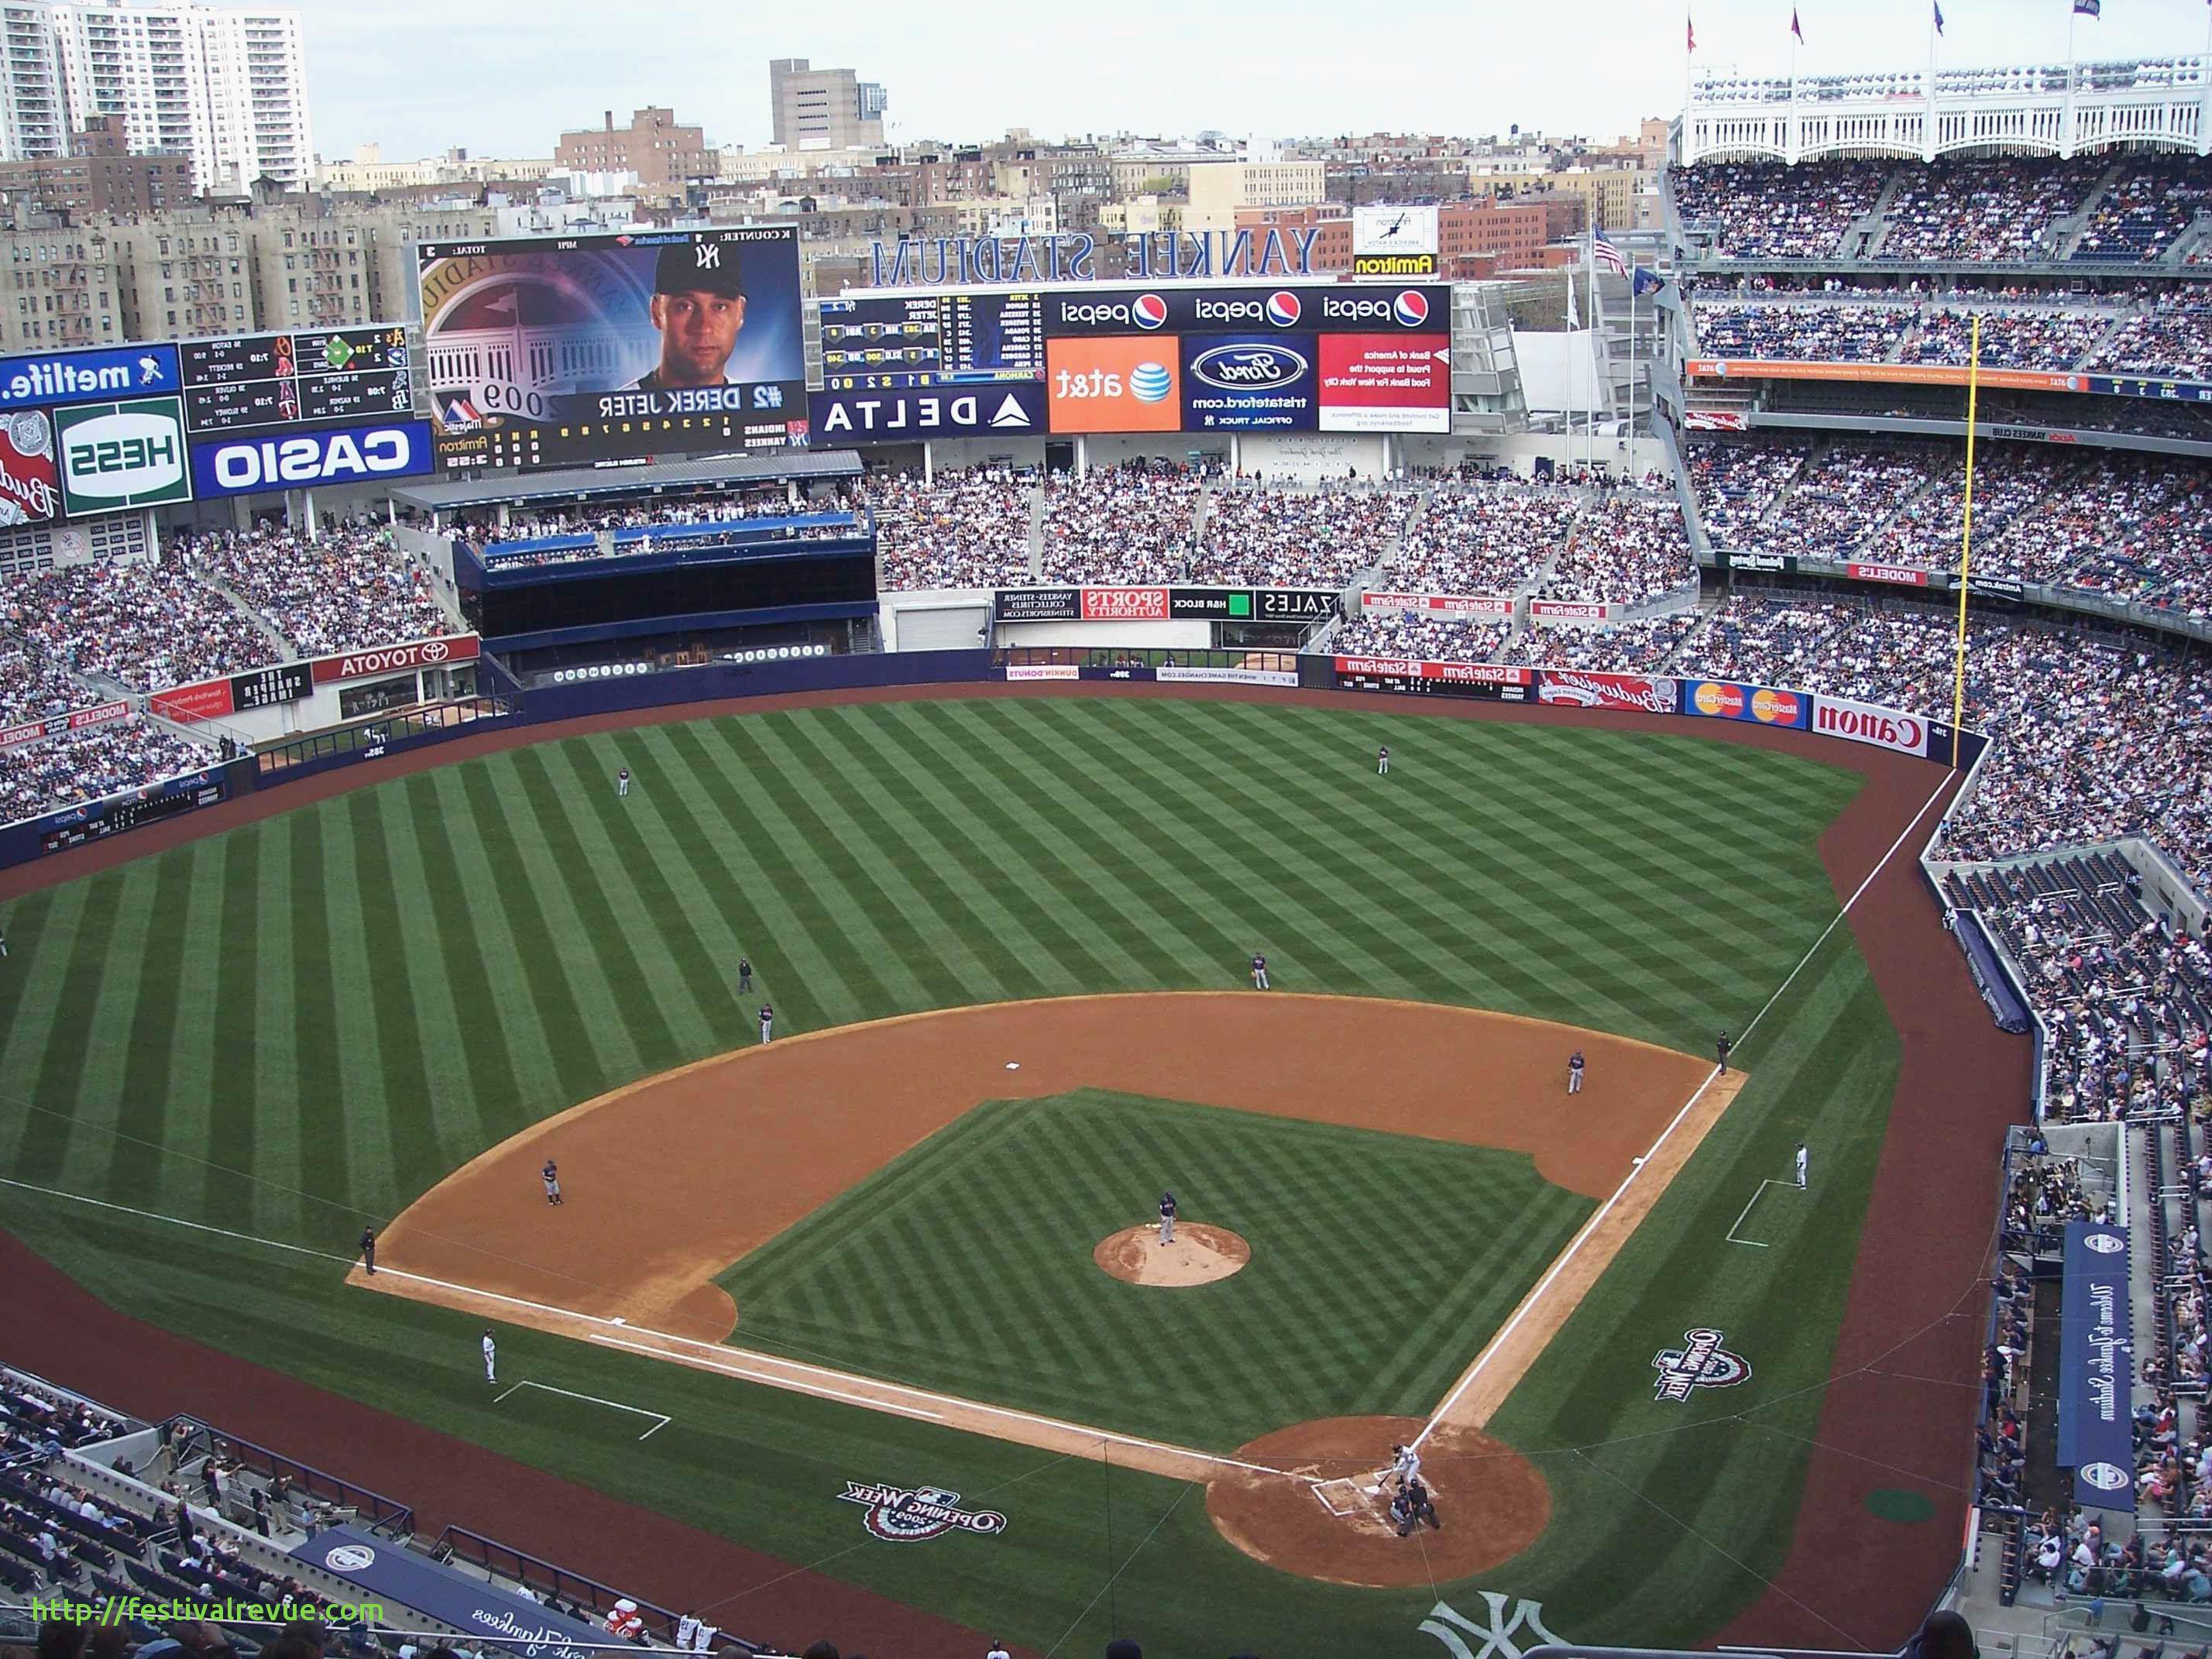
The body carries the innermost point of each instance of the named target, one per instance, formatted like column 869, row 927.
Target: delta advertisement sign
column 1337, row 359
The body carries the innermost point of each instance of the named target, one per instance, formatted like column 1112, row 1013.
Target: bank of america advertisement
column 582, row 350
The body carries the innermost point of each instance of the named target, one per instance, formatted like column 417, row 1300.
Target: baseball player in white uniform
column 491, row 1357
column 1801, row 1166
column 1406, row 1465
column 1382, row 761
column 622, row 782
column 687, row 1630
column 702, row 1640
column 768, row 1021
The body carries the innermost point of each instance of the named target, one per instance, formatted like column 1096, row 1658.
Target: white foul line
column 174, row 1221
column 1756, row 1194
column 665, row 1419
column 1574, row 1245
column 792, row 1384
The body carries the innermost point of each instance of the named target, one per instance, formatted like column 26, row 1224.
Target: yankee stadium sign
column 937, row 261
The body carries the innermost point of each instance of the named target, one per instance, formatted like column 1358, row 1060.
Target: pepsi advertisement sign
column 1310, row 307
column 1249, row 382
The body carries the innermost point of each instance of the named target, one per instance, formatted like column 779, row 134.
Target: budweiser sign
column 1903, row 576
column 30, row 488
column 1868, row 722
column 1125, row 605
column 396, row 658
column 1580, row 691
column 1567, row 610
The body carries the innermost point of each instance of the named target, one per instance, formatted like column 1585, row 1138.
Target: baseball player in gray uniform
column 491, row 1357
column 1167, row 1218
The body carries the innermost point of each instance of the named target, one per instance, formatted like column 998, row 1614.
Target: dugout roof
column 585, row 482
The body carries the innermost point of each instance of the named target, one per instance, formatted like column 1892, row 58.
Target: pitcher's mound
column 1492, row 1501
column 1199, row 1256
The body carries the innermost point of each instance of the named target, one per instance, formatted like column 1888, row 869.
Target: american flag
column 1607, row 255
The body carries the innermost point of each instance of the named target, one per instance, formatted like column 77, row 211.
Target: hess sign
column 121, row 455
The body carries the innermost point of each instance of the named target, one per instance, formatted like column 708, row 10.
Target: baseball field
column 1668, row 1396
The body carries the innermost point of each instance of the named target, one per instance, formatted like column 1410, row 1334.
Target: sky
column 504, row 77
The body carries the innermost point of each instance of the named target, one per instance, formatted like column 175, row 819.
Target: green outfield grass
column 299, row 1025
column 1380, row 1265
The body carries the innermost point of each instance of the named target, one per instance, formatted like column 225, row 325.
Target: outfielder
column 1801, row 1166
column 1258, row 973
column 1167, row 1218
column 1382, row 761
column 550, row 1174
column 1574, row 1072
column 491, row 1357
column 622, row 782
column 768, row 1021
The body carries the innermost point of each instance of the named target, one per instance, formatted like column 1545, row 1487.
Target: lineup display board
column 590, row 350
column 1337, row 357
column 321, row 377
column 911, row 341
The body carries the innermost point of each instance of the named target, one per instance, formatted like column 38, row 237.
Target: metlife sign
column 1346, row 307
column 301, row 460
column 1006, row 409
column 78, row 377
column 122, row 455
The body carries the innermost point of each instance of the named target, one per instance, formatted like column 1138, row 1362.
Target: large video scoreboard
column 947, row 338
column 322, row 377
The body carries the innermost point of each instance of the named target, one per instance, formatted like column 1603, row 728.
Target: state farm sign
column 1868, row 722
column 1437, row 604
column 1568, row 611
column 1125, row 605
column 396, row 658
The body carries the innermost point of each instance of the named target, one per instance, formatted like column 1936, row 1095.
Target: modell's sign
column 30, row 487
column 1903, row 576
column 105, row 713
column 1579, row 691
column 1125, row 605
column 1867, row 722
column 396, row 658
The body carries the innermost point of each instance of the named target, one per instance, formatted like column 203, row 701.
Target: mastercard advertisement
column 1115, row 383
column 1763, row 705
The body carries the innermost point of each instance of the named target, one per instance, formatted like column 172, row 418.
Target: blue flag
column 2088, row 7
column 1647, row 281
column 1939, row 15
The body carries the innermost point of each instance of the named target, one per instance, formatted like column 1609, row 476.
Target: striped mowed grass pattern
column 307, row 1021
column 1381, row 1264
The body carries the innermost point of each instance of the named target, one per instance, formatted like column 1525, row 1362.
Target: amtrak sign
column 1006, row 409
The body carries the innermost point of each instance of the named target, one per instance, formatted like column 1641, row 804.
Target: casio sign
column 313, row 457
column 1256, row 368
column 124, row 454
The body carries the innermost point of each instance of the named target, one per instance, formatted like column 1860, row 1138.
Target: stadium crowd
column 1757, row 210
column 2145, row 210
column 1267, row 536
column 1994, row 212
column 145, row 625
column 1796, row 331
column 348, row 589
column 1627, row 549
column 711, row 507
column 1482, row 538
column 1121, row 524
column 959, row 530
column 2045, row 338
column 66, row 771
column 2172, row 340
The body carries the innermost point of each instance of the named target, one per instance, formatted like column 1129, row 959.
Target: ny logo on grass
column 1496, row 1636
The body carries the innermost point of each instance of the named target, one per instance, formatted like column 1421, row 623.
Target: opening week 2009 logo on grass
column 1699, row 1363
column 902, row 1515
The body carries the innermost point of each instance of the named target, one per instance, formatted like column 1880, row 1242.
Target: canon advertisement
column 1336, row 358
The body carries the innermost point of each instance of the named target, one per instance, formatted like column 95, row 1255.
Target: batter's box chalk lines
column 1757, row 1191
column 662, row 1417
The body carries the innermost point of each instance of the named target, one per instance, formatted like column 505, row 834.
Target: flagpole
column 1965, row 540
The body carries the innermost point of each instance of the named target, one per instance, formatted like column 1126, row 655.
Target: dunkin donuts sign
column 1868, row 722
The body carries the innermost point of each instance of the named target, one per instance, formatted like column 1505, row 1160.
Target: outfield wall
column 310, row 756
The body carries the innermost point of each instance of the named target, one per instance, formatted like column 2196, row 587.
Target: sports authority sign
column 396, row 658
column 1125, row 605
column 903, row 1514
column 1576, row 689
column 1699, row 1363
column 1868, row 722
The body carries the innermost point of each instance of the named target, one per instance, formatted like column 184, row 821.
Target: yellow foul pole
column 1965, row 544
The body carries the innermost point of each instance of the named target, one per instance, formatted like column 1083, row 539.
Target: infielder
column 491, row 1357
column 550, row 1174
column 1167, row 1218
column 1801, row 1166
column 622, row 782
column 768, row 1021
column 1574, row 1072
column 1258, row 973
column 1382, row 761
